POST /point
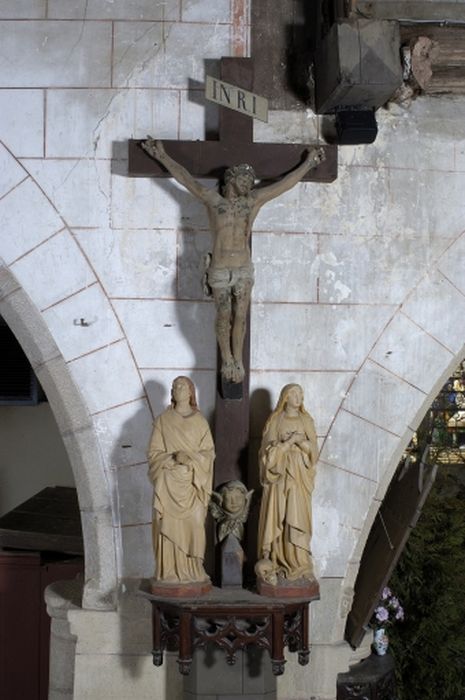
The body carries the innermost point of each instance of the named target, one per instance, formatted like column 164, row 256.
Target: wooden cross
column 209, row 159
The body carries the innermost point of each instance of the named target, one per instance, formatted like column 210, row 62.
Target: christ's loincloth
column 234, row 278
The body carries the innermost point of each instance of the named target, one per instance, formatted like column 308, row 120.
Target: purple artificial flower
column 381, row 614
column 386, row 593
column 389, row 609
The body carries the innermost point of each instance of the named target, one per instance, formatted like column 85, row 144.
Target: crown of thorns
column 236, row 170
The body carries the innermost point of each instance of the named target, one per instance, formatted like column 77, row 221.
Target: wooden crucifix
column 231, row 216
column 235, row 145
column 239, row 160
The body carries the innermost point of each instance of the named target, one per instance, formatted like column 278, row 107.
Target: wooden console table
column 231, row 619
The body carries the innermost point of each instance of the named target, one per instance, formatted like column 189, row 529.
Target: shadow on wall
column 194, row 317
column 136, row 647
column 133, row 493
column 135, row 501
column 185, row 313
column 119, row 158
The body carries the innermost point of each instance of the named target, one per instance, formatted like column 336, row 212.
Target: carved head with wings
column 230, row 507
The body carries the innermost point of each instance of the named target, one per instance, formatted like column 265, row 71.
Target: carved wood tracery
column 232, row 626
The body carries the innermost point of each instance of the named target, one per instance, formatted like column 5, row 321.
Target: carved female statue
column 181, row 455
column 288, row 455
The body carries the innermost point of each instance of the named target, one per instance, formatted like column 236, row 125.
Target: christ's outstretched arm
column 314, row 157
column 156, row 150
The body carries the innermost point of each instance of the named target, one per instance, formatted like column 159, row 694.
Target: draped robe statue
column 181, row 455
column 288, row 455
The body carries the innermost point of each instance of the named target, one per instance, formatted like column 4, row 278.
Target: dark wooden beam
column 397, row 516
column 283, row 43
column 209, row 159
column 49, row 521
column 232, row 425
column 409, row 10
column 445, row 63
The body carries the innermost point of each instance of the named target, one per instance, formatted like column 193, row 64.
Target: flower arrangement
column 388, row 610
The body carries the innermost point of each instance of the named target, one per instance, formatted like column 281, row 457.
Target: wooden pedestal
column 371, row 679
column 302, row 589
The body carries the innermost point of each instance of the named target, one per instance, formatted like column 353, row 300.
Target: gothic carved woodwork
column 231, row 625
column 232, row 634
column 372, row 679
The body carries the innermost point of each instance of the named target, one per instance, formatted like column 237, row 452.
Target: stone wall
column 359, row 294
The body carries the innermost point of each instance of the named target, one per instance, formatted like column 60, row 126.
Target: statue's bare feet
column 227, row 370
column 238, row 373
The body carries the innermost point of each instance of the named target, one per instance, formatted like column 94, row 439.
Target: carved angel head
column 230, row 507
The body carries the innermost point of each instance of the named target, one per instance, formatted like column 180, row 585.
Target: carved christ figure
column 231, row 216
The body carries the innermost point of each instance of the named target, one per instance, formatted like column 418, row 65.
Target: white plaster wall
column 360, row 293
column 32, row 454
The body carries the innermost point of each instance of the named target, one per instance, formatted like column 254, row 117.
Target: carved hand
column 315, row 156
column 182, row 457
column 293, row 438
column 297, row 438
column 154, row 147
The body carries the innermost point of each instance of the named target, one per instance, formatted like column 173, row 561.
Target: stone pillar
column 212, row 678
column 60, row 597
column 114, row 653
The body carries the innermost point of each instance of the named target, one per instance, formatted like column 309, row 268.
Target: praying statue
column 230, row 274
column 287, row 457
column 181, row 455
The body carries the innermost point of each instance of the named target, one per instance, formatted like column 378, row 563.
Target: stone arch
column 79, row 437
column 436, row 308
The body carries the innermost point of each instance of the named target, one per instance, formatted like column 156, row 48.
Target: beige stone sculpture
column 230, row 274
column 181, row 455
column 230, row 507
column 288, row 456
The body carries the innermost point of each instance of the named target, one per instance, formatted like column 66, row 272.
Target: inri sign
column 236, row 98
